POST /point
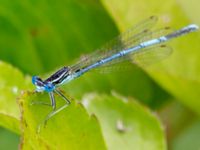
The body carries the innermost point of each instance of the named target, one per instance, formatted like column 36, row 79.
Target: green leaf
column 126, row 124
column 49, row 34
column 71, row 128
column 12, row 81
column 188, row 138
column 180, row 73
column 7, row 138
column 43, row 31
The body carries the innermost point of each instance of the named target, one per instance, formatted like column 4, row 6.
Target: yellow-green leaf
column 12, row 81
column 71, row 128
column 180, row 73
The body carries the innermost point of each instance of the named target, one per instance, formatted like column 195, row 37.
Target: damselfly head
column 42, row 85
column 38, row 83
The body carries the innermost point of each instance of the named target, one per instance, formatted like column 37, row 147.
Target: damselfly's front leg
column 42, row 103
column 53, row 102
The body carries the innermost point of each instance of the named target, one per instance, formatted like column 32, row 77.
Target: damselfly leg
column 53, row 104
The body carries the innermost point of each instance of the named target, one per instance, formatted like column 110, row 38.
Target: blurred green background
column 39, row 36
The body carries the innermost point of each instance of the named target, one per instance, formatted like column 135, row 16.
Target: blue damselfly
column 138, row 44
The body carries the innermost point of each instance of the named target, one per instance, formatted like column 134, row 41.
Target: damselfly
column 139, row 44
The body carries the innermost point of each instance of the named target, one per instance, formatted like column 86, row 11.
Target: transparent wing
column 151, row 55
column 149, row 36
column 143, row 58
column 125, row 40
column 134, row 36
column 124, row 66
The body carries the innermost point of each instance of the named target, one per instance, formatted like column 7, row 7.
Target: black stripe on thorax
column 59, row 76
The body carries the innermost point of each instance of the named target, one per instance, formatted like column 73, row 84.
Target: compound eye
column 37, row 81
